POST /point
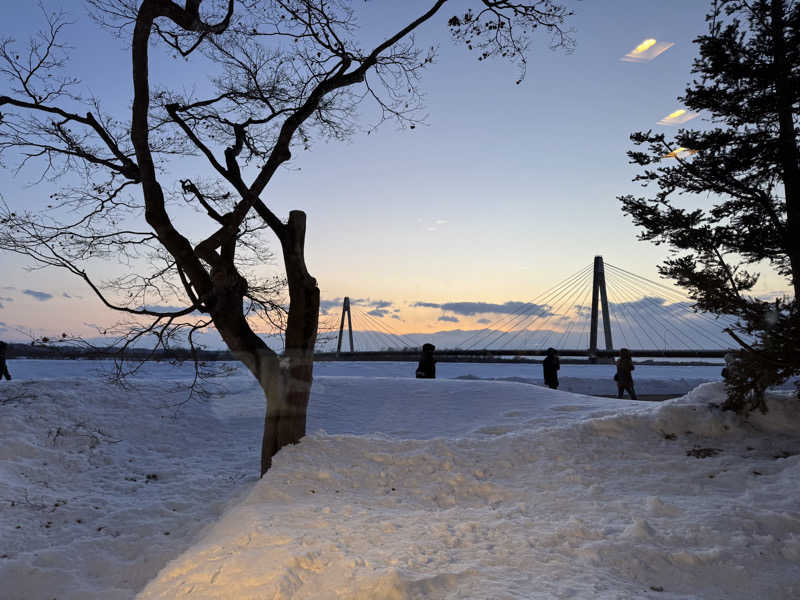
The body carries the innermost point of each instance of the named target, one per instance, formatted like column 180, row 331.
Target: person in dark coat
column 624, row 376
column 3, row 366
column 550, row 366
column 427, row 364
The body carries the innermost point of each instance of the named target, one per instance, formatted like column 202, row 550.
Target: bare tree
column 285, row 72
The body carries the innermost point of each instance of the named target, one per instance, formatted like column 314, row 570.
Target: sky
column 504, row 191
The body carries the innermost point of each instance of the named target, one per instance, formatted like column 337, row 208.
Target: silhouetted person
column 550, row 366
column 427, row 365
column 3, row 367
column 624, row 376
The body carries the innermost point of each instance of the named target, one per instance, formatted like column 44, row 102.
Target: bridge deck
column 505, row 355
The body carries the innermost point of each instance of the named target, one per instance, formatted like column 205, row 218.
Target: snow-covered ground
column 404, row 489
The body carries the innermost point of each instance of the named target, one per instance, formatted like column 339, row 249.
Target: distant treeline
column 64, row 351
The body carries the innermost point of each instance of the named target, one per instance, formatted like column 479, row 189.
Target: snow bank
column 100, row 486
column 404, row 489
column 665, row 501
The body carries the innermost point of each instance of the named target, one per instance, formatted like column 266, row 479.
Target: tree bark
column 789, row 155
column 286, row 380
column 289, row 391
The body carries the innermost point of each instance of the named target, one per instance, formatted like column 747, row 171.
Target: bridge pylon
column 345, row 310
column 599, row 296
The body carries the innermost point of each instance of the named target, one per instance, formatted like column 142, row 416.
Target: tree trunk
column 789, row 154
column 289, row 391
column 286, row 380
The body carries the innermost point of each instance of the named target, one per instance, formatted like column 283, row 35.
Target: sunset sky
column 504, row 191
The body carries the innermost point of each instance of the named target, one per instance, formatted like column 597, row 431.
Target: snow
column 475, row 487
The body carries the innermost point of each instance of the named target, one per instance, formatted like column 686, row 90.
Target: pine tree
column 743, row 176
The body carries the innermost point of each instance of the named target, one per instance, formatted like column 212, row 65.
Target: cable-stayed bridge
column 592, row 313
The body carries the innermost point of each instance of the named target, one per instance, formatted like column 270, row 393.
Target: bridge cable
column 561, row 292
column 656, row 311
column 620, row 313
column 528, row 322
column 379, row 337
column 557, row 311
column 572, row 322
column 366, row 337
column 683, row 298
column 529, row 307
column 627, row 305
column 587, row 323
column 644, row 325
column 386, row 330
column 620, row 307
column 635, row 306
column 660, row 308
column 683, row 305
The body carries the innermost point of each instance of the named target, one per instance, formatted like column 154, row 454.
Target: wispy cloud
column 378, row 308
column 448, row 319
column 326, row 305
column 381, row 303
column 432, row 224
column 426, row 305
column 40, row 296
column 469, row 309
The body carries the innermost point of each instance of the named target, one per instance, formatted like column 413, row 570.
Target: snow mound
column 404, row 489
column 100, row 486
column 670, row 500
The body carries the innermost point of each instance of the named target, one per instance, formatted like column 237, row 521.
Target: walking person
column 624, row 376
column 3, row 366
column 550, row 366
column 427, row 364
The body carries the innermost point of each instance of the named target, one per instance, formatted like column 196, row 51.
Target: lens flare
column 647, row 51
column 644, row 46
column 678, row 117
column 680, row 153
